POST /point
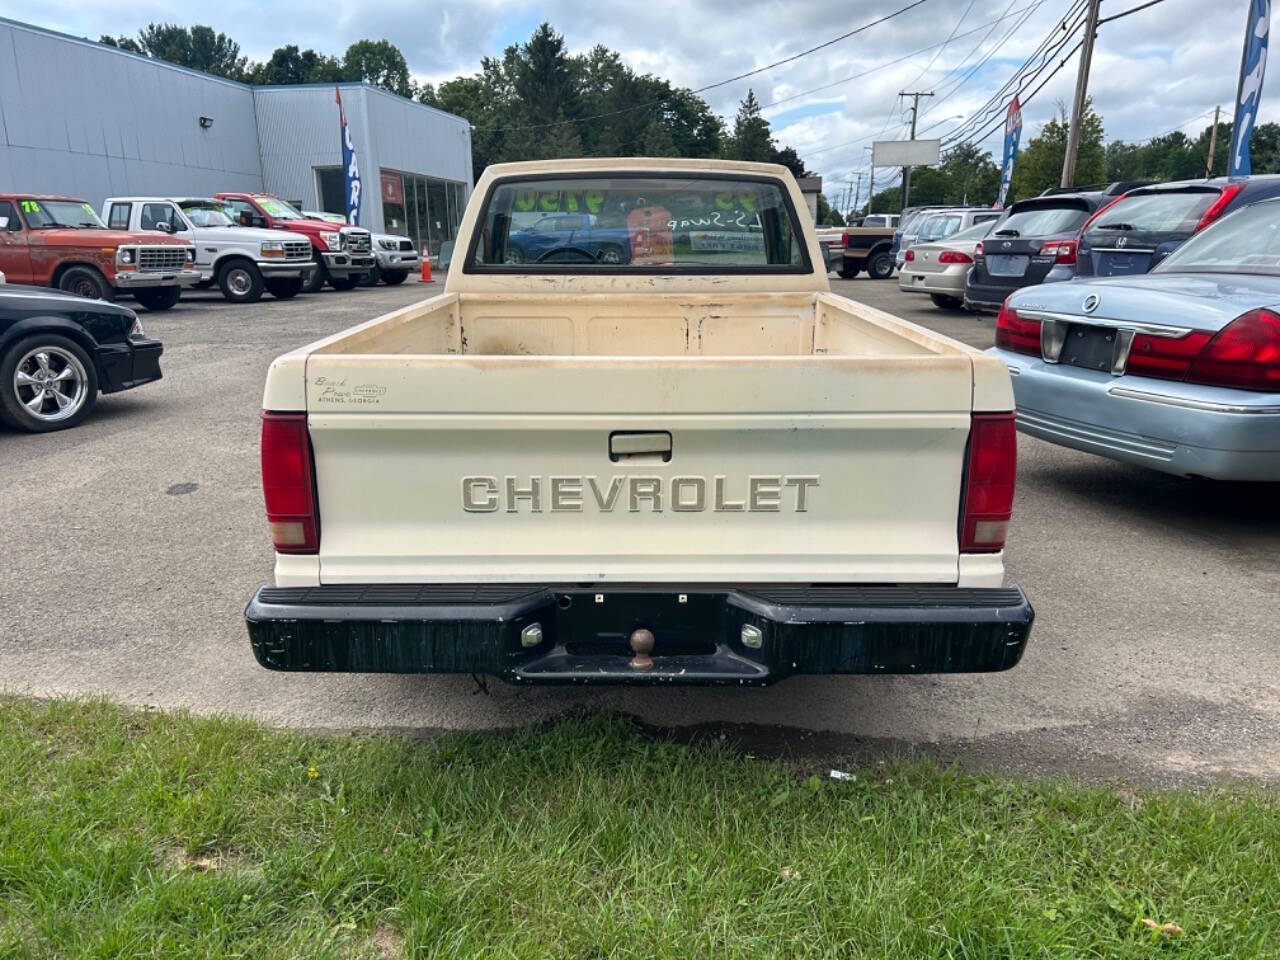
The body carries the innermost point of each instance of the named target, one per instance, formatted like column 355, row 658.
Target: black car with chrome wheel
column 58, row 351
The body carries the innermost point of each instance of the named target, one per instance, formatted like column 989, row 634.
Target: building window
column 425, row 209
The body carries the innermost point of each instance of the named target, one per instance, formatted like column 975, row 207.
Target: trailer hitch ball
column 642, row 647
column 531, row 635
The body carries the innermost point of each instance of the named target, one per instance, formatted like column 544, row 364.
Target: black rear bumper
column 584, row 631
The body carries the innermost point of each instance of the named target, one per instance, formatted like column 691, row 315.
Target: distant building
column 89, row 120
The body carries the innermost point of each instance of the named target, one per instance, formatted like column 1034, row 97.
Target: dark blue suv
column 1135, row 232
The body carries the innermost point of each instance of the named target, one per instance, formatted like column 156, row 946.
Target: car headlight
column 191, row 254
column 126, row 255
column 389, row 244
column 332, row 240
column 273, row 248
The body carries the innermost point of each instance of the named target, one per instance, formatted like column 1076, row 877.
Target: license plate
column 1124, row 264
column 1006, row 265
column 1090, row 347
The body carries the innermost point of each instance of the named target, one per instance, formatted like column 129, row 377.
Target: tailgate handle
column 653, row 446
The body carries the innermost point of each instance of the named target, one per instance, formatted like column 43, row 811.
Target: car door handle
column 635, row 446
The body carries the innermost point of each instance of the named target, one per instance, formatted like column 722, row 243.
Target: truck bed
column 521, row 390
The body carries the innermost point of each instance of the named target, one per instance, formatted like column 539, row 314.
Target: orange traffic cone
column 426, row 267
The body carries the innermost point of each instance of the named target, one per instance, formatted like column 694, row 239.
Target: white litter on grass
column 841, row 775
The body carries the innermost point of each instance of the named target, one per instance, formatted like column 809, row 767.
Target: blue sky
column 1153, row 71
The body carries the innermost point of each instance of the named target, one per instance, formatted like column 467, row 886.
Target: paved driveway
column 1155, row 656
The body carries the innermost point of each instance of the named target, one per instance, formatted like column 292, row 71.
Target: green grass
column 148, row 835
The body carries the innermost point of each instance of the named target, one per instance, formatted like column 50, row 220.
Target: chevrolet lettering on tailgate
column 638, row 494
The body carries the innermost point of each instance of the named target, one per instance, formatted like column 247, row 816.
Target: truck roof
column 15, row 194
column 634, row 164
column 159, row 200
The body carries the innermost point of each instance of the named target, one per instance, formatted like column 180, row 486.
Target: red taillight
column 846, row 239
column 1017, row 333
column 1167, row 358
column 989, row 480
column 954, row 256
column 1244, row 354
column 287, row 483
column 1099, row 212
column 909, row 256
column 1224, row 200
column 1062, row 251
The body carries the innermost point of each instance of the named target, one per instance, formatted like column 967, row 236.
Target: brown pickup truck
column 55, row 241
column 867, row 248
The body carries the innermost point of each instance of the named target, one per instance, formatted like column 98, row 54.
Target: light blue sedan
column 1177, row 369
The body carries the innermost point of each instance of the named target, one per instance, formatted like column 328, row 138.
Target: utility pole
column 915, row 109
column 871, row 188
column 1213, row 143
column 857, row 193
column 1082, row 86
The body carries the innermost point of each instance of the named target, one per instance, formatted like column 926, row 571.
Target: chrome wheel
column 51, row 384
column 239, row 282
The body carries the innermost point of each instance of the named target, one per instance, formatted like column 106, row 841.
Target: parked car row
column 152, row 247
column 1163, row 349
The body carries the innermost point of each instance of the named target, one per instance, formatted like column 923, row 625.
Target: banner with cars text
column 350, row 169
column 1012, row 133
column 1253, row 64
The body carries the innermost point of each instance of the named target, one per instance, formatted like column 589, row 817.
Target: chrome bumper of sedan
column 949, row 282
column 1184, row 429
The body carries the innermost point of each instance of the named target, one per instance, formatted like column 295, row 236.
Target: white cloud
column 1151, row 71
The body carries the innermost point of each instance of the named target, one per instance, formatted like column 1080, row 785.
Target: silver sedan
column 939, row 268
column 1177, row 370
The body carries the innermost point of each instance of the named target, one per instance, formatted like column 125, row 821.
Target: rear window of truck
column 637, row 224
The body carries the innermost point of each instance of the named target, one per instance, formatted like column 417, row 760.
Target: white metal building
column 81, row 118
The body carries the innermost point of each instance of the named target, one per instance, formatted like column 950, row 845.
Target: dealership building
column 89, row 120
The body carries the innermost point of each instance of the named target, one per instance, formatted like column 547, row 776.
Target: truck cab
column 343, row 255
column 695, row 466
column 48, row 240
column 242, row 261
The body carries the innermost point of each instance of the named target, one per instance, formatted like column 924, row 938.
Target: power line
column 1150, row 3
column 1022, row 77
column 897, row 60
column 1027, row 99
column 1018, row 82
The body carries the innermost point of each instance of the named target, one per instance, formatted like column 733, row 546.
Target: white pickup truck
column 242, row 261
column 696, row 465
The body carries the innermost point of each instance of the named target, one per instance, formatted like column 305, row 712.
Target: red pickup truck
column 55, row 241
column 343, row 254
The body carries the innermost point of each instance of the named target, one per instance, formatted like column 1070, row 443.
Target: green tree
column 123, row 43
column 198, row 47
column 973, row 177
column 752, row 138
column 788, row 157
column 291, row 65
column 1039, row 163
column 379, row 62
column 828, row 216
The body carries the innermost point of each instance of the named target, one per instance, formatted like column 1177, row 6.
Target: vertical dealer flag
column 349, row 167
column 1253, row 63
column 1012, row 131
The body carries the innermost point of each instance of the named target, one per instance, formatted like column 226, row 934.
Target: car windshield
column 279, row 209
column 628, row 224
column 1247, row 241
column 46, row 214
column 939, row 226
column 1041, row 221
column 206, row 213
column 1174, row 211
column 976, row 232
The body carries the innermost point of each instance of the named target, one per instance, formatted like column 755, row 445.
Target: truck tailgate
column 689, row 469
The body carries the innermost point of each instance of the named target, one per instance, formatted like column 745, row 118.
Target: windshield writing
column 42, row 214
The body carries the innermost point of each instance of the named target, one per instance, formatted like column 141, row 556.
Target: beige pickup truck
column 687, row 463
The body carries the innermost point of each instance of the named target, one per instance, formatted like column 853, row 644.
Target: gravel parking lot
column 135, row 540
